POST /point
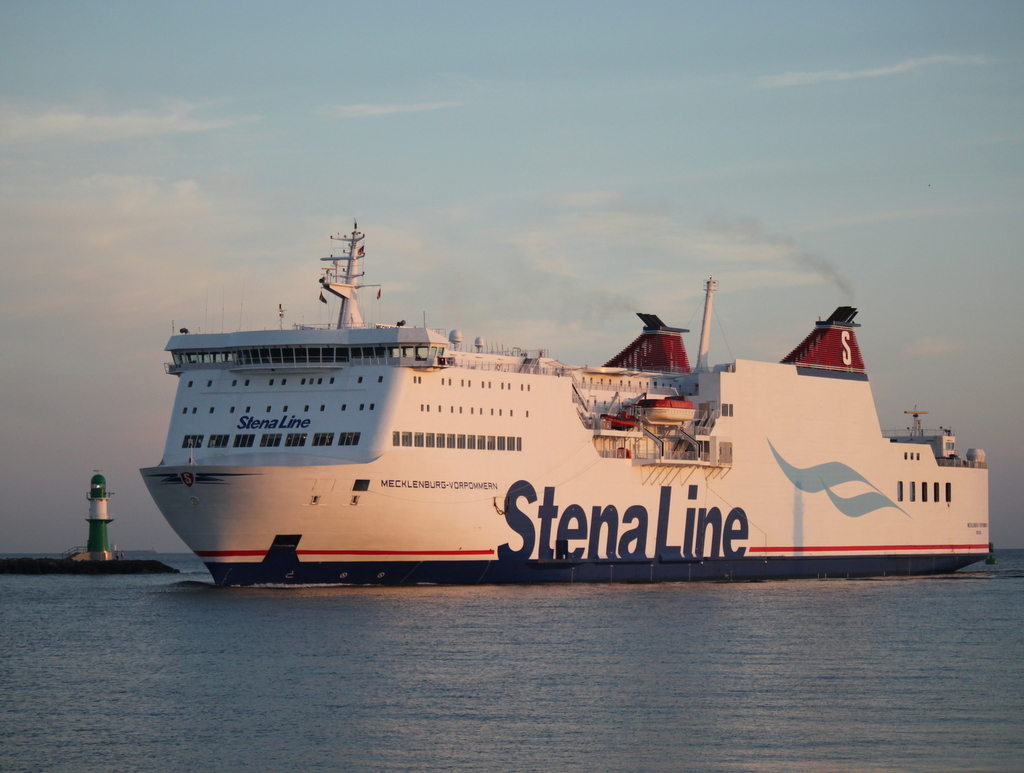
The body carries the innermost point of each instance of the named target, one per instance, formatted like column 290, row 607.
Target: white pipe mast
column 705, row 329
column 343, row 283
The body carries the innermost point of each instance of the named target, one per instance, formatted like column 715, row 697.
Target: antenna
column 915, row 430
column 280, row 316
column 241, row 305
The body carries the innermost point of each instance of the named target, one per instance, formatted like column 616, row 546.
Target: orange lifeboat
column 621, row 421
column 667, row 411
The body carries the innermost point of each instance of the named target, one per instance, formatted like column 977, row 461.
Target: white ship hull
column 458, row 515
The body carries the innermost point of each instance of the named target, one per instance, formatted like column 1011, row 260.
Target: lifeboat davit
column 667, row 411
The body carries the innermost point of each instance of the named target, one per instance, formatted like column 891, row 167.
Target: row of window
column 305, row 408
column 300, row 355
column 273, row 440
column 302, row 382
column 473, row 411
column 936, row 489
column 471, row 442
column 469, row 382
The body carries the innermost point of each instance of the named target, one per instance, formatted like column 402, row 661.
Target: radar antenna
column 916, row 430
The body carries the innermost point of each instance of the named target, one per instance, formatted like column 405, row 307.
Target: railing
column 922, row 433
column 522, row 366
column 945, row 461
column 72, row 552
column 703, row 423
column 648, row 455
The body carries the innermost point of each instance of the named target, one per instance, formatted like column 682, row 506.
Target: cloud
column 935, row 347
column 907, row 65
column 365, row 110
column 19, row 126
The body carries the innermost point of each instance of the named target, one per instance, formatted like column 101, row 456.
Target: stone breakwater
column 67, row 566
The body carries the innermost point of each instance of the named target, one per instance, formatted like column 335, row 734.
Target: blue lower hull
column 282, row 567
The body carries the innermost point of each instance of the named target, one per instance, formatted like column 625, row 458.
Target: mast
column 705, row 329
column 343, row 282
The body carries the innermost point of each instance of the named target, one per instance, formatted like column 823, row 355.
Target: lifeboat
column 619, row 421
column 666, row 411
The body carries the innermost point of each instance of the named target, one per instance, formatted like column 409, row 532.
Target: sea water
column 169, row 673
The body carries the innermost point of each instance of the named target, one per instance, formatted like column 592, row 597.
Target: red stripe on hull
column 395, row 552
column 261, row 553
column 838, row 548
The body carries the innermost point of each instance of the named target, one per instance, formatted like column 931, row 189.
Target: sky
column 532, row 173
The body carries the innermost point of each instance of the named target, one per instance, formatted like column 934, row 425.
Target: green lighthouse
column 98, row 548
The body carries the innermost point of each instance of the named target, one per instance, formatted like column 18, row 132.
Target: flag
column 361, row 252
column 378, row 294
column 322, row 299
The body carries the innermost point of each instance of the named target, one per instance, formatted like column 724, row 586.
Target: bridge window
column 949, row 492
column 244, row 441
column 899, row 490
column 295, row 439
column 272, row 440
column 218, row 441
column 192, row 441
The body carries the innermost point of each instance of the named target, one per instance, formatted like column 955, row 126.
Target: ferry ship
column 391, row 454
